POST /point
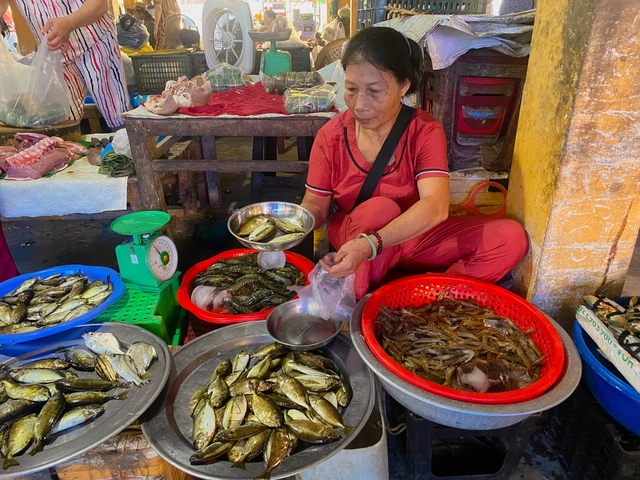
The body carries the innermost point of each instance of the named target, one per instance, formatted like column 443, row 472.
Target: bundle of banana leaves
column 247, row 286
column 272, row 401
column 44, row 397
column 42, row 302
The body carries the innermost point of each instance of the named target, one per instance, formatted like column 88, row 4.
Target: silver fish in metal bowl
column 271, row 226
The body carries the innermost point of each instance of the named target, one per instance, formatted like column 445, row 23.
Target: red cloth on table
column 243, row 101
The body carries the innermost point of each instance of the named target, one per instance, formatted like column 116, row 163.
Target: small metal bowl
column 257, row 36
column 284, row 210
column 291, row 324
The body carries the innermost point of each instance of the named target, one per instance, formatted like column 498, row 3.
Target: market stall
column 143, row 127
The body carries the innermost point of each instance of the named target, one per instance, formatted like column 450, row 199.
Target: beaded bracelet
column 379, row 238
column 374, row 252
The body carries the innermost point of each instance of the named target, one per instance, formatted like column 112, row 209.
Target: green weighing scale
column 149, row 260
column 273, row 60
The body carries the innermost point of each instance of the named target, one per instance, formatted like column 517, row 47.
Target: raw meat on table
column 38, row 155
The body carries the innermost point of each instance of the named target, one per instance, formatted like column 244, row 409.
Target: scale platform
column 273, row 61
column 156, row 312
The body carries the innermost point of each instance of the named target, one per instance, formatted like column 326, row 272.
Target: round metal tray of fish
column 169, row 427
column 118, row 414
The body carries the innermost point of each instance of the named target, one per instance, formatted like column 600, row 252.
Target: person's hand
column 347, row 259
column 57, row 31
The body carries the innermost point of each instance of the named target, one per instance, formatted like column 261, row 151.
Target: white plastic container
column 365, row 457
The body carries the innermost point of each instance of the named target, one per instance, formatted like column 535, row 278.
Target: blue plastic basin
column 92, row 272
column 608, row 386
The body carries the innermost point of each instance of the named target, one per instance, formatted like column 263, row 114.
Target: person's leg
column 101, row 70
column 373, row 214
column 7, row 266
column 77, row 90
column 482, row 248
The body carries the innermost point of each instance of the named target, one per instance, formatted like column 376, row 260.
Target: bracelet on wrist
column 374, row 251
column 379, row 238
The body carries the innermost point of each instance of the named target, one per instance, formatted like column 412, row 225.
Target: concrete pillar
column 575, row 178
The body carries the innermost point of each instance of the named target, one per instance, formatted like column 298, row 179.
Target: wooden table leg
column 304, row 148
column 151, row 196
column 213, row 179
column 264, row 148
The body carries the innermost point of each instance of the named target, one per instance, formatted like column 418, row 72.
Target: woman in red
column 405, row 223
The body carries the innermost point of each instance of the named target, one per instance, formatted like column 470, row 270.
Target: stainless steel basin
column 464, row 415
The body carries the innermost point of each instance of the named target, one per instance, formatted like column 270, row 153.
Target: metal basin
column 464, row 415
column 168, row 426
column 293, row 324
column 284, row 210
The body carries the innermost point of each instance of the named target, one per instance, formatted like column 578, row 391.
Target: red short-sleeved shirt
column 337, row 168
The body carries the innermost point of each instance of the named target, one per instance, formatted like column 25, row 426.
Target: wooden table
column 143, row 128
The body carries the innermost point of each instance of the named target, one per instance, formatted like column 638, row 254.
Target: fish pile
column 37, row 154
column 44, row 397
column 460, row 344
column 269, row 229
column 42, row 302
column 273, row 402
column 623, row 322
column 240, row 285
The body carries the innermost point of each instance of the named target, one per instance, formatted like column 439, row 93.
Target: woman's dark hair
column 270, row 13
column 387, row 49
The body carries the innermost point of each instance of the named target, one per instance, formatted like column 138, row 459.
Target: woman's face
column 373, row 95
column 268, row 20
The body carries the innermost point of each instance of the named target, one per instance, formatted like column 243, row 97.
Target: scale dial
column 162, row 258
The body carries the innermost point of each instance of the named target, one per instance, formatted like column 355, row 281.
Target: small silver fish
column 102, row 343
column 77, row 416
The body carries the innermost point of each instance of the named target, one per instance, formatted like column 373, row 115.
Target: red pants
column 478, row 247
column 7, row 267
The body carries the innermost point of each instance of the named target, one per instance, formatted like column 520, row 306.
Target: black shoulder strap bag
column 382, row 160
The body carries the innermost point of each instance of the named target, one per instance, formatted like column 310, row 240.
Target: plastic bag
column 332, row 298
column 36, row 95
column 283, row 80
column 223, row 77
column 120, row 143
column 309, row 100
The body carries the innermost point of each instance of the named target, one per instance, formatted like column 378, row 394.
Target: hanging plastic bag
column 331, row 298
column 33, row 96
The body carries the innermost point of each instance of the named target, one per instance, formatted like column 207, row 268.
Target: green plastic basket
column 159, row 313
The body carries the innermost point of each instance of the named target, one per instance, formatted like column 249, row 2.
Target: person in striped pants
column 86, row 33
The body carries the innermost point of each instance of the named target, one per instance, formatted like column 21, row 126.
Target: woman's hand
column 348, row 258
column 58, row 31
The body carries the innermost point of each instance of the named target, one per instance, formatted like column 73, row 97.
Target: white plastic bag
column 332, row 298
column 120, row 143
column 33, row 95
